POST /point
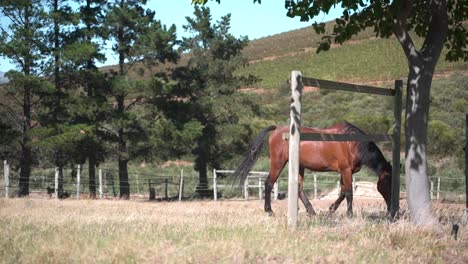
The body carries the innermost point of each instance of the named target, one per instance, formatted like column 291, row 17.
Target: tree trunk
column 421, row 64
column 56, row 110
column 202, row 160
column 92, row 173
column 202, row 172
column 59, row 165
column 26, row 155
column 123, row 157
column 201, row 163
column 123, row 178
column 417, row 115
column 25, row 165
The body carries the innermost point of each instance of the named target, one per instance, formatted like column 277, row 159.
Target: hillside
column 364, row 59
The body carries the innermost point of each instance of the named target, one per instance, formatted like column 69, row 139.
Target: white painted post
column 338, row 185
column 432, row 190
column 276, row 189
column 395, row 191
column 315, row 186
column 438, row 187
column 294, row 148
column 215, row 187
column 137, row 183
column 181, row 185
column 56, row 182
column 101, row 193
column 259, row 188
column 246, row 188
column 78, row 181
column 6, row 174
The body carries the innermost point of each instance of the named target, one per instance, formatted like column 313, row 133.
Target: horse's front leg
column 276, row 166
column 302, row 196
column 347, row 189
column 349, row 200
column 337, row 203
column 346, row 192
column 268, row 188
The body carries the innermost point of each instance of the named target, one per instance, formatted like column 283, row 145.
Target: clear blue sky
column 247, row 19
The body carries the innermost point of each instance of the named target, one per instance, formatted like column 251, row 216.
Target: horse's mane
column 368, row 152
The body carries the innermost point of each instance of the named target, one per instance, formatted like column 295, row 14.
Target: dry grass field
column 104, row 231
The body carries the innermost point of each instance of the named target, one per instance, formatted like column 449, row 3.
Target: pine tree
column 138, row 38
column 23, row 43
column 92, row 107
column 211, row 86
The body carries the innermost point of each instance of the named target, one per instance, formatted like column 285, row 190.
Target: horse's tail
column 252, row 156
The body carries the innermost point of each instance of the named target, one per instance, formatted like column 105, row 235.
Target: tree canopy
column 209, row 84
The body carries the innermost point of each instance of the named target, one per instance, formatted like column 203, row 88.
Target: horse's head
column 384, row 185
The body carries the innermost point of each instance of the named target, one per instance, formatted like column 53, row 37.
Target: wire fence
column 75, row 183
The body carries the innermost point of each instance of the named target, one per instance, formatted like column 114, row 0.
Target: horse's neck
column 373, row 158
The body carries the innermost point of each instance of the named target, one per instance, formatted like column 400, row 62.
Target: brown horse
column 345, row 157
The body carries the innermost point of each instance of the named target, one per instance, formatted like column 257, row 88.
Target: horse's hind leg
column 302, row 196
column 337, row 203
column 346, row 192
column 275, row 170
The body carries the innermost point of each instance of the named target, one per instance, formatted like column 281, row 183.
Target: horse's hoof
column 311, row 214
column 349, row 214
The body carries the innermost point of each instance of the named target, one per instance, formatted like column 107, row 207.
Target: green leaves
column 202, row 2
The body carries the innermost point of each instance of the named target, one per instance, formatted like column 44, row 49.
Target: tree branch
column 438, row 29
column 10, row 94
column 400, row 29
column 11, row 111
column 109, row 130
column 137, row 100
column 37, row 101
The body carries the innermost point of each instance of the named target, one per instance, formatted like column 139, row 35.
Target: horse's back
column 315, row 155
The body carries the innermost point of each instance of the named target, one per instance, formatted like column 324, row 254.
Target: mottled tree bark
column 421, row 64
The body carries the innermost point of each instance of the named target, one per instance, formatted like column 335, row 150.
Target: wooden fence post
column 315, row 186
column 215, row 185
column 432, row 190
column 78, row 181
column 56, row 182
column 466, row 162
column 137, row 183
column 395, row 194
column 260, row 188
column 166, row 183
column 246, row 188
column 181, row 185
column 438, row 187
column 152, row 191
column 294, row 148
column 6, row 174
column 276, row 189
column 101, row 193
